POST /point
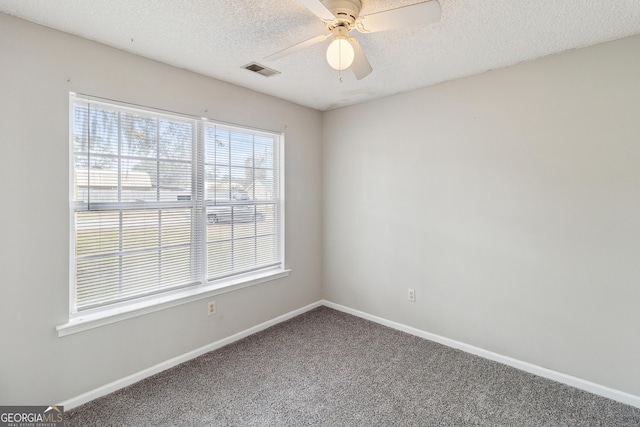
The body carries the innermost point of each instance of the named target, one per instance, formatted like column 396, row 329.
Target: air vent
column 260, row 69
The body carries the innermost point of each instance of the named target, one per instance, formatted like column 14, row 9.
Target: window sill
column 90, row 320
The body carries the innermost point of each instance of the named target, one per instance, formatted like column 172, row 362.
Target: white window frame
column 95, row 317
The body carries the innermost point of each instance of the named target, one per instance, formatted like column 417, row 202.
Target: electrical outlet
column 411, row 294
column 211, row 308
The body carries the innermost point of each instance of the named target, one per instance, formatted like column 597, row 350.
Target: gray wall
column 510, row 201
column 38, row 68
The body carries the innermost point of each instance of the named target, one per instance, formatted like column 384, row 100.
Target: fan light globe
column 340, row 53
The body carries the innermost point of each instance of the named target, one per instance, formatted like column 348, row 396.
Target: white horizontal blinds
column 162, row 202
column 242, row 201
column 135, row 203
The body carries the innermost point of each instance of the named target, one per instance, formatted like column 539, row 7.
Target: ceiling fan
column 342, row 16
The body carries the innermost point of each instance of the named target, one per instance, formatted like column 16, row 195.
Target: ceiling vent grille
column 261, row 69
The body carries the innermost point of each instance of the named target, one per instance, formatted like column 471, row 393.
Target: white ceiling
column 218, row 37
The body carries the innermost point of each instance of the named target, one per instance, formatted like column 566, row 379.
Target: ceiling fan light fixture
column 340, row 53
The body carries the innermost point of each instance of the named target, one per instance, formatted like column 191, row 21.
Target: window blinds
column 163, row 202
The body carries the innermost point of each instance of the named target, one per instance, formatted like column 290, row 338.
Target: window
column 162, row 203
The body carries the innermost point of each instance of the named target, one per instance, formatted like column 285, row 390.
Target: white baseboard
column 578, row 383
column 133, row 378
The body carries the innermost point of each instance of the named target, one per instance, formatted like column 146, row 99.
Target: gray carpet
column 327, row 368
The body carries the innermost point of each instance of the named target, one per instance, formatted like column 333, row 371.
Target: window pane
column 97, row 233
column 268, row 224
column 97, row 184
column 176, row 265
column 264, row 152
column 219, row 259
column 80, row 129
column 263, row 188
column 103, row 135
column 140, row 230
column 266, row 250
column 137, row 181
column 140, row 274
column 174, row 179
column 139, row 135
column 97, row 281
column 247, row 176
column 176, row 140
column 217, row 146
column 241, row 149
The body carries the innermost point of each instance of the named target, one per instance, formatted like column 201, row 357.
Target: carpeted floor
column 328, row 368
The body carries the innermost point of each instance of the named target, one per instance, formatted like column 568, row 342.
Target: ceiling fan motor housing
column 345, row 11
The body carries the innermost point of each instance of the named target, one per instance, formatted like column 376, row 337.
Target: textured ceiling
column 218, row 37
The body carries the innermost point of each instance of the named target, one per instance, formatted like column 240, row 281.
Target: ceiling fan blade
column 297, row 47
column 415, row 14
column 319, row 9
column 360, row 66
